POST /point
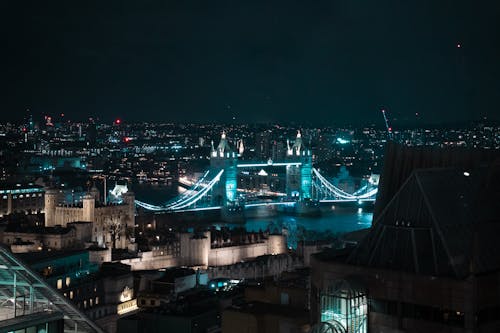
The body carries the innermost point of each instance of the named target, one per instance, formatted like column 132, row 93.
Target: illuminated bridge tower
column 222, row 157
column 299, row 176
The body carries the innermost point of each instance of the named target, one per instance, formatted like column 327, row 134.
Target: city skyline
column 328, row 63
column 265, row 166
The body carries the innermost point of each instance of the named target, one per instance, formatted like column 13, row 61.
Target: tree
column 114, row 227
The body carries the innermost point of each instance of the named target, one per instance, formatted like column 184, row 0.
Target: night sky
column 320, row 62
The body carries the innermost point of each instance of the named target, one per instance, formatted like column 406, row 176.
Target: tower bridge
column 218, row 186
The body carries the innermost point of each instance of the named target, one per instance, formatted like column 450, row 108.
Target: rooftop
column 442, row 222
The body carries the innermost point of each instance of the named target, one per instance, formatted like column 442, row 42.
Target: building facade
column 111, row 223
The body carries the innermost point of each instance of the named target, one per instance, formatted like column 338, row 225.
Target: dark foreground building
column 431, row 261
column 31, row 305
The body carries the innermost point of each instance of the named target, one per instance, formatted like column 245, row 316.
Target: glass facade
column 344, row 304
column 30, row 304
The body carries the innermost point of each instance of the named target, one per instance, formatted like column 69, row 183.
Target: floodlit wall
column 196, row 251
column 257, row 268
column 148, row 261
column 233, row 254
column 276, row 244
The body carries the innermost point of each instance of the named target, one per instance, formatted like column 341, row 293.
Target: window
column 91, row 302
column 71, row 294
column 59, row 284
column 345, row 305
column 96, row 300
column 68, row 281
column 85, row 304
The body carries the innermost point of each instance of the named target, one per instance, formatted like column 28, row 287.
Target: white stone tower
column 88, row 208
column 51, row 201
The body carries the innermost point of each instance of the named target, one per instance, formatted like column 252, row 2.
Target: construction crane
column 389, row 128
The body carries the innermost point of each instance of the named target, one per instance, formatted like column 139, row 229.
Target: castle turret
column 195, row 248
column 51, row 201
column 129, row 199
column 241, row 148
column 213, row 152
column 223, row 149
column 297, row 147
column 88, row 208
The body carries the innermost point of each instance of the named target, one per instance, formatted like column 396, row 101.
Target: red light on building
column 390, row 129
column 118, row 121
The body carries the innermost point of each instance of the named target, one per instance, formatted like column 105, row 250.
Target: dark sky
column 324, row 62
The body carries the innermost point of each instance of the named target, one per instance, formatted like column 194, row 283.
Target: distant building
column 21, row 199
column 196, row 312
column 103, row 292
column 35, row 238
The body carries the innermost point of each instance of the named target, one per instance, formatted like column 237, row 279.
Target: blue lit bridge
column 217, row 188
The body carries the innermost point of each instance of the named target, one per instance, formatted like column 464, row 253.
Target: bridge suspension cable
column 197, row 196
column 186, row 200
column 190, row 192
column 340, row 193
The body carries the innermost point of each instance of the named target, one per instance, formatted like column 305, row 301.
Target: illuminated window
column 71, row 294
column 96, row 300
column 345, row 304
column 68, row 281
column 85, row 304
column 91, row 302
column 59, row 284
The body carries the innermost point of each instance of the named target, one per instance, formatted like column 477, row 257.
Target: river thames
column 332, row 222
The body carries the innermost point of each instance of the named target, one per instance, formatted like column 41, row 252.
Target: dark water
column 155, row 194
column 330, row 224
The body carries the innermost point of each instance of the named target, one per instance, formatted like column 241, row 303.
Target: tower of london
column 110, row 221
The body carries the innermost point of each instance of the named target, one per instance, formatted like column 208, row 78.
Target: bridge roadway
column 262, row 204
